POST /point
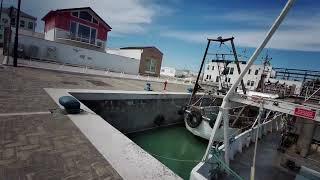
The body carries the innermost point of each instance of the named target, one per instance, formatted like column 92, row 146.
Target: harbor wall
column 56, row 52
column 136, row 112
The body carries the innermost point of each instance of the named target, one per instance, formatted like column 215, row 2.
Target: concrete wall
column 135, row 112
column 63, row 53
column 131, row 53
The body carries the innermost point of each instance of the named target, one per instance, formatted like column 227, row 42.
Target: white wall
column 49, row 35
column 64, row 53
column 211, row 69
column 131, row 53
column 168, row 71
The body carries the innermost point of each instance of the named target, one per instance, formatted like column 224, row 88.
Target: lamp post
column 15, row 58
column 1, row 11
column 1, row 27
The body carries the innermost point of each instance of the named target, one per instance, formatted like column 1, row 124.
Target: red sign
column 305, row 113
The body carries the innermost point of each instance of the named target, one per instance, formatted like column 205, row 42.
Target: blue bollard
column 148, row 87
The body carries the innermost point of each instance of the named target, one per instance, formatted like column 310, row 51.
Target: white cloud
column 294, row 34
column 124, row 16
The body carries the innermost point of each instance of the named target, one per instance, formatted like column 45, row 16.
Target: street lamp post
column 15, row 58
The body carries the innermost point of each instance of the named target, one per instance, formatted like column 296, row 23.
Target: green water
column 174, row 142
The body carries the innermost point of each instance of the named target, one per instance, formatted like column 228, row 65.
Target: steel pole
column 1, row 12
column 196, row 86
column 226, row 135
column 254, row 56
column 256, row 143
column 238, row 65
column 15, row 58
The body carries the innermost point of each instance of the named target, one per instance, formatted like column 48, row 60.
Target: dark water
column 174, row 142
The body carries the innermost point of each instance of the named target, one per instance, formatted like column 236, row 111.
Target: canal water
column 173, row 146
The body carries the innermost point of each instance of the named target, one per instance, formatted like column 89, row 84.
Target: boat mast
column 225, row 102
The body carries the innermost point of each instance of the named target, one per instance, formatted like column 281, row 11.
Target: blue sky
column 179, row 28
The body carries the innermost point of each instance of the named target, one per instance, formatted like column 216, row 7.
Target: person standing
column 165, row 85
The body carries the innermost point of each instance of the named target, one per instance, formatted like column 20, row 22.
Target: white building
column 168, row 71
column 226, row 73
column 27, row 22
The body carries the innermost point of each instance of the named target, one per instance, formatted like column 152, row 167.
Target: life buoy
column 193, row 119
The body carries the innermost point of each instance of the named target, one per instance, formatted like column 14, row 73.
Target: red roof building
column 80, row 27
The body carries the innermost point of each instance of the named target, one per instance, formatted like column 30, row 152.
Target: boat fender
column 193, row 119
column 181, row 110
column 70, row 104
column 159, row 120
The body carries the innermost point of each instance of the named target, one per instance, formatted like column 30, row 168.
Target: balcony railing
column 83, row 40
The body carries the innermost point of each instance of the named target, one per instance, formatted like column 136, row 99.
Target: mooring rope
column 198, row 161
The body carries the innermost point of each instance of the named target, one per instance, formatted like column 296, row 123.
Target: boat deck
column 267, row 161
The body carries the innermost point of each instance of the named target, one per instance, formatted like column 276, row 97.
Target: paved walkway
column 49, row 146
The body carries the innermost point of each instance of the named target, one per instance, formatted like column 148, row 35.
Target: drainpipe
column 254, row 56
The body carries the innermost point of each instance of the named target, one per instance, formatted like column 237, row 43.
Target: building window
column 208, row 68
column 252, row 83
column 13, row 21
column 75, row 13
column 94, row 20
column 83, row 33
column 256, row 72
column 93, row 36
column 217, row 79
column 226, row 79
column 210, row 77
column 229, row 79
column 22, row 23
column 207, row 76
column 231, row 70
column 73, row 30
column 4, row 20
column 226, row 71
column 249, row 71
column 248, row 83
column 30, row 25
column 85, row 16
column 150, row 65
column 212, row 68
